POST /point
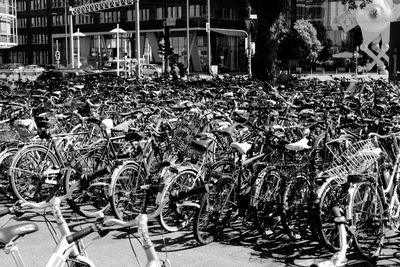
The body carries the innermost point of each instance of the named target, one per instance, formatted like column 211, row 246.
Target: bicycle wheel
column 216, row 208
column 6, row 158
column 90, row 198
column 127, row 197
column 366, row 210
column 265, row 198
column 295, row 208
column 172, row 219
column 330, row 194
column 33, row 173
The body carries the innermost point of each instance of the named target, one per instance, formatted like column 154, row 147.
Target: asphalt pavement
column 238, row 247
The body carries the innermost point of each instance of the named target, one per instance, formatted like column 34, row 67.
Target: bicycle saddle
column 299, row 145
column 202, row 144
column 242, row 148
column 8, row 234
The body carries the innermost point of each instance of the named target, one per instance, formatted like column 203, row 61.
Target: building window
column 39, row 39
column 230, row 13
column 58, row 3
column 84, row 19
column 160, row 14
column 58, row 20
column 21, row 5
column 39, row 22
column 110, row 16
column 22, row 39
column 144, row 14
column 40, row 57
column 21, row 22
column 174, row 12
column 196, row 11
column 38, row 4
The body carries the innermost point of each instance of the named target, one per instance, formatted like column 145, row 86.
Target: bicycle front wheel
column 216, row 208
column 33, row 173
column 366, row 210
column 171, row 218
column 127, row 195
column 296, row 208
column 329, row 194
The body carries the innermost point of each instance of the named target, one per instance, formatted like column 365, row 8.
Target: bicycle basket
column 355, row 160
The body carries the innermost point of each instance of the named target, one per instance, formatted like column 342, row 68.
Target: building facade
column 44, row 29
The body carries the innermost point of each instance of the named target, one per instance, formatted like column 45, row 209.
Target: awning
column 230, row 32
column 345, row 54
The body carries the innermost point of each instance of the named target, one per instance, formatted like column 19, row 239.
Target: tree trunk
column 264, row 62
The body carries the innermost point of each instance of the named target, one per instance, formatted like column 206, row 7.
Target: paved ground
column 238, row 248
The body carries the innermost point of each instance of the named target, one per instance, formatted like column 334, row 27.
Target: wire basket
column 355, row 160
column 183, row 134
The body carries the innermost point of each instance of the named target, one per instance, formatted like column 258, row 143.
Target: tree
column 301, row 43
column 268, row 12
column 265, row 58
column 326, row 43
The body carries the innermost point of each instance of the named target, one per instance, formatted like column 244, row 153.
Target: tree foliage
column 268, row 14
column 353, row 4
column 301, row 43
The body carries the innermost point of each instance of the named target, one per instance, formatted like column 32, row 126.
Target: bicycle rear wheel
column 367, row 214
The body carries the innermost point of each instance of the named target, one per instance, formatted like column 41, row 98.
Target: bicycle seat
column 242, row 148
column 8, row 234
column 299, row 145
column 202, row 144
column 228, row 130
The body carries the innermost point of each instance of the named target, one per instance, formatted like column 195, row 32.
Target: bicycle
column 70, row 247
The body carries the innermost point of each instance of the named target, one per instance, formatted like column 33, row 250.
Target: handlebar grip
column 5, row 211
column 176, row 196
column 82, row 233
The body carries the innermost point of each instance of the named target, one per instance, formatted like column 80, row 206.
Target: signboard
column 207, row 27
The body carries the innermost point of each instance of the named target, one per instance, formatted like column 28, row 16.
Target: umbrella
column 343, row 55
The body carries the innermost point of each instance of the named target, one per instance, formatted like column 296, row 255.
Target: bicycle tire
column 27, row 173
column 366, row 209
column 6, row 157
column 170, row 219
column 331, row 194
column 296, row 208
column 266, row 199
column 127, row 199
column 215, row 209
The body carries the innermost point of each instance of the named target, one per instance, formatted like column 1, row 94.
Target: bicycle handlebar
column 82, row 233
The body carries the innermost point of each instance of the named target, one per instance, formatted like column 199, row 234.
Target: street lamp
column 117, row 31
column 79, row 35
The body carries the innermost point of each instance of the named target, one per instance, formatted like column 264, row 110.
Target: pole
column 79, row 50
column 71, row 28
column 117, row 49
column 187, row 37
column 66, row 32
column 137, row 39
column 209, row 36
column 249, row 45
column 99, row 52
